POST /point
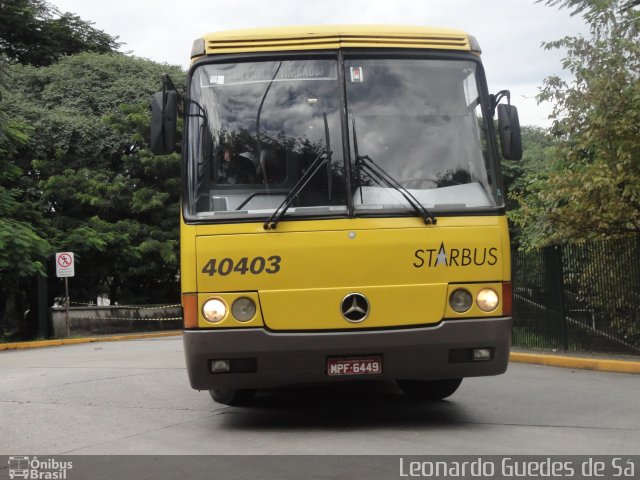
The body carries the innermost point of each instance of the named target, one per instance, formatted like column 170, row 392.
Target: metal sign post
column 66, row 308
column 65, row 268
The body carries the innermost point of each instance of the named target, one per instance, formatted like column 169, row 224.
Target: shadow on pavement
column 340, row 407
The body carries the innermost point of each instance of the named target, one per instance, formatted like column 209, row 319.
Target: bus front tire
column 234, row 398
column 429, row 389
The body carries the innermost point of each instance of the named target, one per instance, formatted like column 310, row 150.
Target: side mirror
column 509, row 132
column 164, row 113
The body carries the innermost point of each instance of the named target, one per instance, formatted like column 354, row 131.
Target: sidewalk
column 578, row 361
column 73, row 341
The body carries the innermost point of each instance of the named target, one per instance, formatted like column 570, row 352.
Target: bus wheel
column 429, row 389
column 232, row 397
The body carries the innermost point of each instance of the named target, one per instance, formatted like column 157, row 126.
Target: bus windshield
column 256, row 127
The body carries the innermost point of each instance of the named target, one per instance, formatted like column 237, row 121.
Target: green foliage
column 102, row 194
column 592, row 187
column 34, row 32
column 523, row 177
column 22, row 248
column 75, row 172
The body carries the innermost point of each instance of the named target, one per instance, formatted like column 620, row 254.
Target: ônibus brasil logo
column 35, row 469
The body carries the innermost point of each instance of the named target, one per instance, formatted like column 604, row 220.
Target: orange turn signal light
column 507, row 298
column 190, row 310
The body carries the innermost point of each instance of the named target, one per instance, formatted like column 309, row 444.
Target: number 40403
column 243, row 266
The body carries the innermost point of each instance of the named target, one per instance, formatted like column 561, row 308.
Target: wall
column 94, row 320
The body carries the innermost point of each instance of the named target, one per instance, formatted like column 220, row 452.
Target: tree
column 23, row 248
column 592, row 188
column 34, row 32
column 525, row 176
column 100, row 192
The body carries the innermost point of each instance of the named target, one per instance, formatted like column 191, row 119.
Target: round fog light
column 214, row 310
column 487, row 300
column 243, row 309
column 460, row 300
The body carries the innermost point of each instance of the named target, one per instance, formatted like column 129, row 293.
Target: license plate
column 354, row 366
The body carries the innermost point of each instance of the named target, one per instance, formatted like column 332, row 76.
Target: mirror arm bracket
column 494, row 99
column 169, row 86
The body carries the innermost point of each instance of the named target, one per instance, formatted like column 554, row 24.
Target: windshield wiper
column 276, row 216
column 366, row 163
column 321, row 159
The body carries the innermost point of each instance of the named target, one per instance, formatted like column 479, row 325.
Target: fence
column 579, row 297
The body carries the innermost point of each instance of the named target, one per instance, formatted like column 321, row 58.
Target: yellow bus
column 343, row 214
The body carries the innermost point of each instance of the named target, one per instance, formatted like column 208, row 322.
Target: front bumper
column 272, row 359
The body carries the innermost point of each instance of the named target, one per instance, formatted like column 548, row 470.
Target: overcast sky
column 510, row 32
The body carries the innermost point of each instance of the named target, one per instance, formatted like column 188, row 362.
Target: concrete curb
column 578, row 363
column 73, row 341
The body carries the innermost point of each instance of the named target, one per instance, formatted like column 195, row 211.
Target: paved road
column 133, row 397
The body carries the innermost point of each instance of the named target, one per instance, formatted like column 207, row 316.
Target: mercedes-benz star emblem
column 355, row 307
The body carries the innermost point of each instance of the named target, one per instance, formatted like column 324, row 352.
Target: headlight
column 243, row 309
column 460, row 300
column 487, row 300
column 214, row 310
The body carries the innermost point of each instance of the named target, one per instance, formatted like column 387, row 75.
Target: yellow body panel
column 305, row 268
column 391, row 306
column 334, row 36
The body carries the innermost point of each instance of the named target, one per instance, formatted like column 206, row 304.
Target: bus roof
column 332, row 37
